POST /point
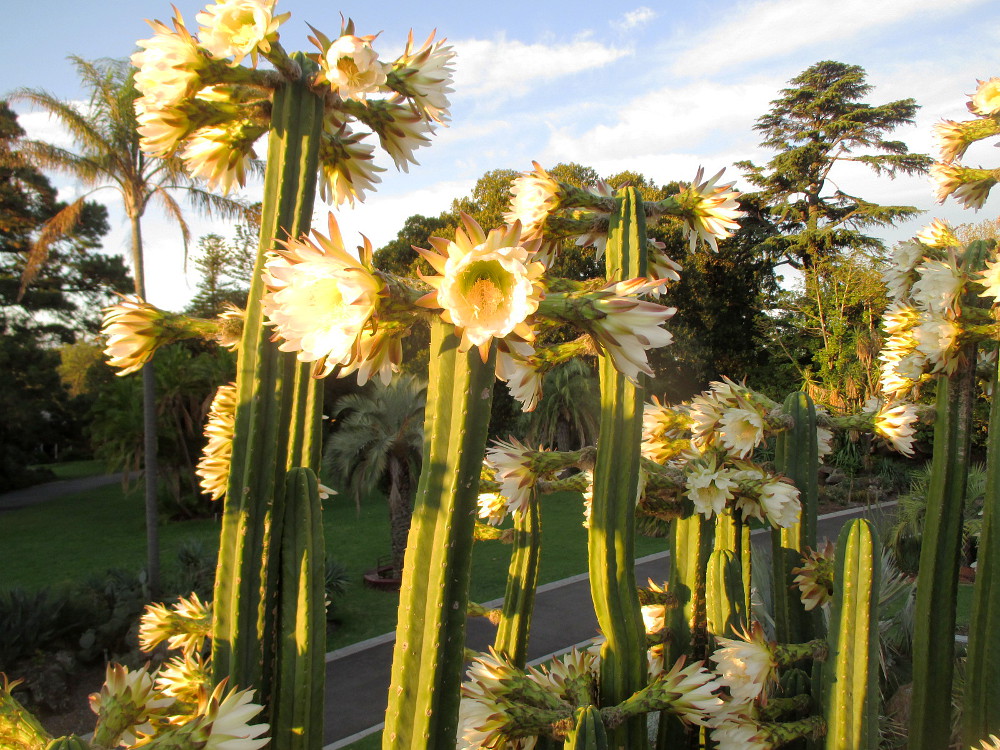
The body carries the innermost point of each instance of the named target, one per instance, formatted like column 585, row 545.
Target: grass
column 75, row 469
column 66, row 540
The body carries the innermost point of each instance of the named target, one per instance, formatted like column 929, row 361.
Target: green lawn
column 66, row 540
column 75, row 469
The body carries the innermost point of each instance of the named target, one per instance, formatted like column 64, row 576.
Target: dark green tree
column 219, row 283
column 819, row 123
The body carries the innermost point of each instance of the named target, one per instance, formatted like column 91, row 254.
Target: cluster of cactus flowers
column 315, row 310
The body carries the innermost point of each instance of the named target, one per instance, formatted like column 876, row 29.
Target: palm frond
column 46, row 156
column 58, row 226
column 170, row 207
column 81, row 125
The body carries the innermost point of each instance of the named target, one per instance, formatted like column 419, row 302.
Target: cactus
column 522, row 580
column 277, row 417
column 850, row 674
column 430, row 636
column 69, row 742
column 796, row 456
column 616, row 476
column 981, row 713
column 297, row 718
column 588, row 731
column 937, row 583
column 725, row 611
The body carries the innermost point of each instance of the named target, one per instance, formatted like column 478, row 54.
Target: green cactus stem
column 19, row 729
column 522, row 580
column 981, row 712
column 588, row 731
column 796, row 457
column 850, row 694
column 725, row 612
column 610, row 541
column 297, row 715
column 940, row 549
column 691, row 546
column 430, row 635
column 277, row 413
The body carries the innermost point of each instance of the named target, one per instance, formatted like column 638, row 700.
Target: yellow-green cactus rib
column 430, row 635
column 940, row 550
column 19, row 729
column 850, row 673
column 981, row 712
column 588, row 731
column 297, row 710
column 277, row 414
column 616, row 484
column 522, row 580
column 692, row 540
column 797, row 457
column 724, row 604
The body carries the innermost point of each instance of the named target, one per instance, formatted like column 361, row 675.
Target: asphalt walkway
column 41, row 493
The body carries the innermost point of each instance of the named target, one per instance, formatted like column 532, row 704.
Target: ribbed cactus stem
column 522, row 580
column 940, row 548
column 796, row 457
column 277, row 414
column 19, row 729
column 297, row 709
column 430, row 634
column 616, row 484
column 981, row 712
column 850, row 696
column 692, row 540
column 588, row 732
column 724, row 603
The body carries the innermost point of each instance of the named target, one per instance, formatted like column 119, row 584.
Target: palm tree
column 378, row 446
column 567, row 415
column 106, row 155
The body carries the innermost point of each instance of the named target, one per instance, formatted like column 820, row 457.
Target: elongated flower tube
column 135, row 329
column 513, row 466
column 895, row 423
column 488, row 285
column 990, row 279
column 425, row 75
column 347, row 167
column 184, row 678
column 127, row 705
column 319, row 299
column 213, row 466
column 184, row 626
column 169, row 64
column 937, row 234
column 710, row 211
column 970, row 187
column 747, row 665
column 814, row 578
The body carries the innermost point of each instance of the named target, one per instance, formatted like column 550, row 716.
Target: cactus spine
column 850, row 673
column 430, row 635
column 277, row 417
column 937, row 583
column 522, row 580
column 981, row 713
column 297, row 719
column 616, row 475
column 797, row 457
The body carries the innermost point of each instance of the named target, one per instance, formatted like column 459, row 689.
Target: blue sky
column 656, row 87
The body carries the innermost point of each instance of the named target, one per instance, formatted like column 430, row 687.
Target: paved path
column 41, row 493
column 357, row 677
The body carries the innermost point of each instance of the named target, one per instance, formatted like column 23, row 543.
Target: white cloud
column 772, row 28
column 635, row 18
column 504, row 67
column 668, row 120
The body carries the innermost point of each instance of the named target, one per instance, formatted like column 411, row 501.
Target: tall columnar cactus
column 300, row 663
column 522, row 580
column 850, row 674
column 796, row 457
column 610, row 542
column 277, row 413
column 981, row 709
column 725, row 609
column 937, row 582
column 430, row 636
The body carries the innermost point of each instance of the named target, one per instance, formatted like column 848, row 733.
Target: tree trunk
column 150, row 463
column 399, row 511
